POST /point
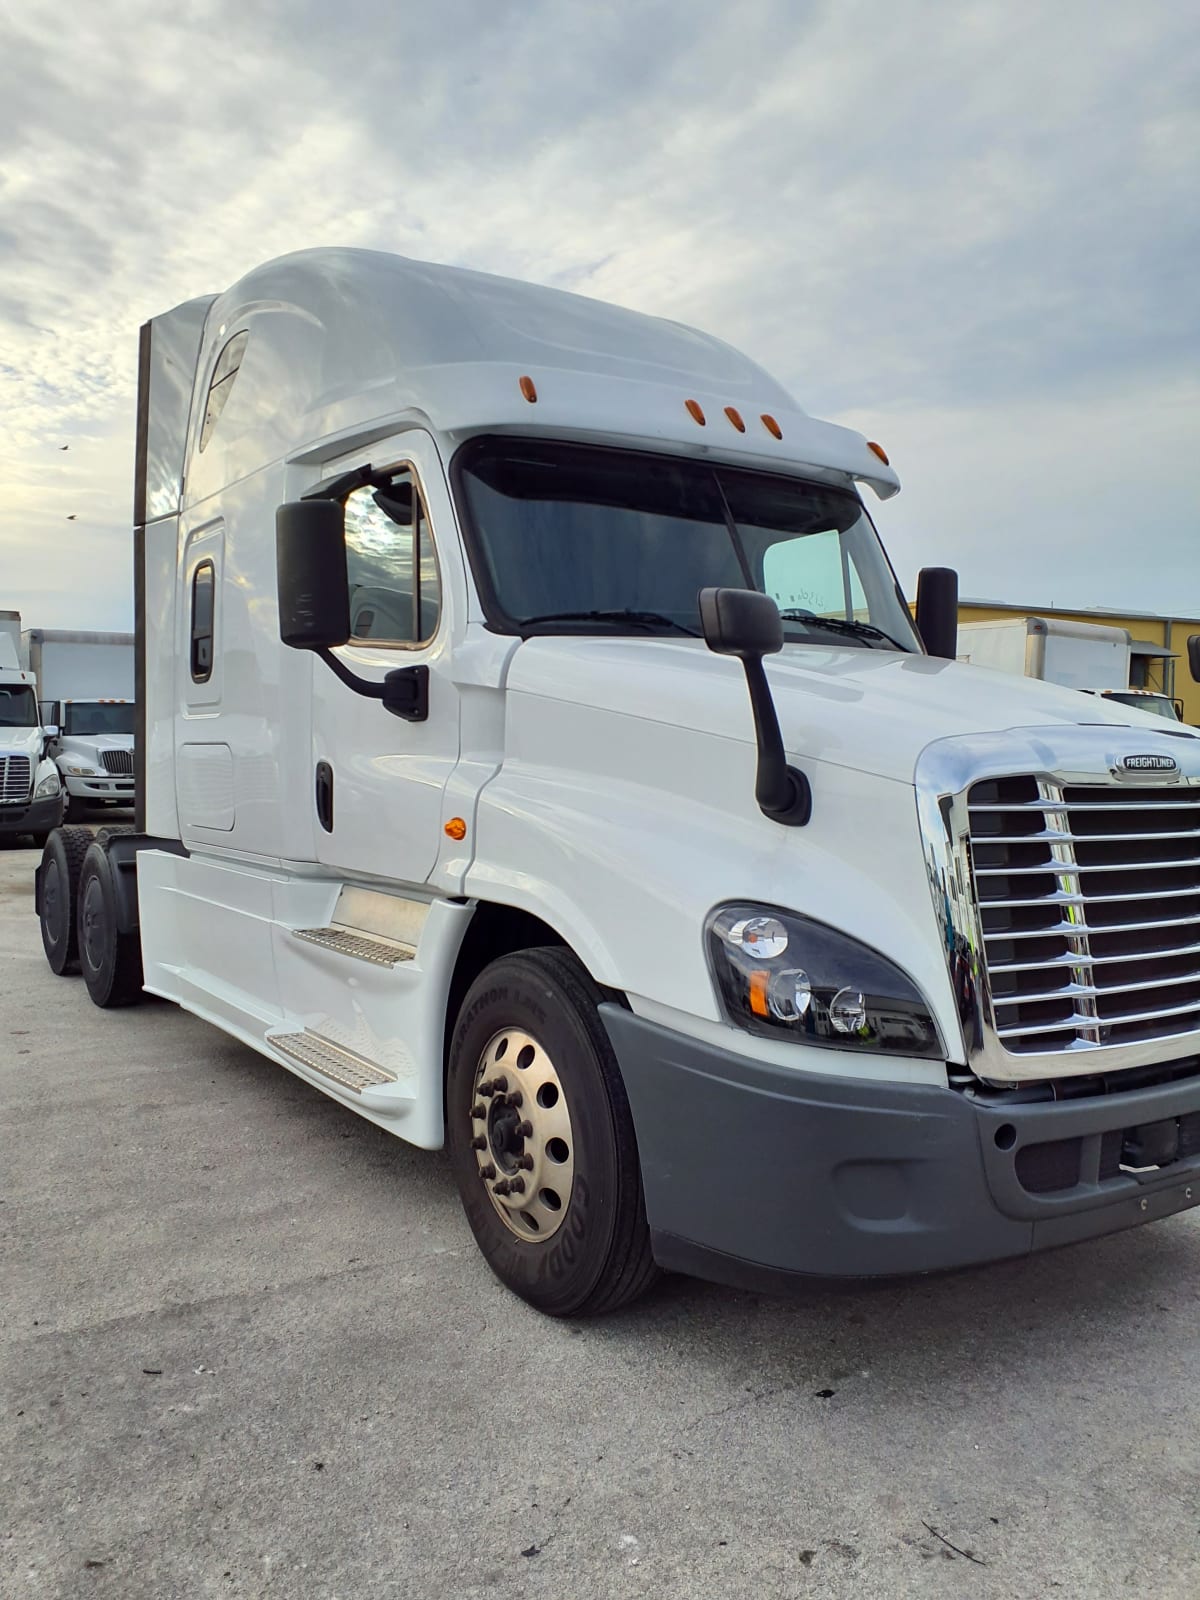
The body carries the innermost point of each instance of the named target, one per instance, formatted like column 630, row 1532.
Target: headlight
column 785, row 976
column 48, row 786
column 79, row 769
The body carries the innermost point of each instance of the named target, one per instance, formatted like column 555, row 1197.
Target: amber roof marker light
column 879, row 451
column 735, row 417
column 772, row 426
column 529, row 390
column 694, row 411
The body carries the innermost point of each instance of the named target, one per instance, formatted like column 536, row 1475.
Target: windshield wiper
column 861, row 630
column 637, row 619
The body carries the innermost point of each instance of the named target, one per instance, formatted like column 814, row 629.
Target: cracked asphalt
column 247, row 1348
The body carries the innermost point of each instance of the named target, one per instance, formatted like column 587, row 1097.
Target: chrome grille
column 14, row 779
column 118, row 762
column 1089, row 900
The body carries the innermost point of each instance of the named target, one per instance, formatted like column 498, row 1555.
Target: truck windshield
column 87, row 719
column 581, row 539
column 18, row 709
column 1156, row 704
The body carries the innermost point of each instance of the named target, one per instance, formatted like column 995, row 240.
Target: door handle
column 324, row 795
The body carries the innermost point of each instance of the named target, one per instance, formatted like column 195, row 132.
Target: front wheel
column 541, row 1138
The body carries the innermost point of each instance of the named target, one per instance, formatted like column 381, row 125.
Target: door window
column 395, row 591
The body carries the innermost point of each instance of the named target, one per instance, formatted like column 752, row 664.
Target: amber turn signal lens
column 694, row 411
column 879, row 451
column 735, row 417
column 529, row 390
column 772, row 426
column 759, row 983
column 456, row 828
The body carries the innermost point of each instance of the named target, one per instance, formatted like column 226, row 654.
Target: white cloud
column 971, row 228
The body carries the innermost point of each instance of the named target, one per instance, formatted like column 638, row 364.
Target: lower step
column 360, row 946
column 332, row 1061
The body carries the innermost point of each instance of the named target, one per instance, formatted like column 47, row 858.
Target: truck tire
column 62, row 860
column 111, row 961
column 541, row 1139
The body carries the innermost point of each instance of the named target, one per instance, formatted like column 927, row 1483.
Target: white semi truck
column 30, row 791
column 537, row 755
column 1078, row 655
column 85, row 690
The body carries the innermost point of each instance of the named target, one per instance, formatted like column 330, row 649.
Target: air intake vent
column 1089, row 899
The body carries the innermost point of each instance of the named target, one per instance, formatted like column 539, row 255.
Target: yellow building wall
column 1171, row 632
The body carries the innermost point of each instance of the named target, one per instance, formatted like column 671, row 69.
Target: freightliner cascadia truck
column 537, row 755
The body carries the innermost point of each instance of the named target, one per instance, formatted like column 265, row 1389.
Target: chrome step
column 331, row 1061
column 359, row 946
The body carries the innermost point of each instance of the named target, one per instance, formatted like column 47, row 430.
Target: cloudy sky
column 969, row 227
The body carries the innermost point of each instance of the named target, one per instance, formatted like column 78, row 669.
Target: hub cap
column 524, row 1146
column 93, row 924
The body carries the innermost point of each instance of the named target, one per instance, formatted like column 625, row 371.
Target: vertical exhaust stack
column 168, row 351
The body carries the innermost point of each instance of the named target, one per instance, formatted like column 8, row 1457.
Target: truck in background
column 540, row 758
column 30, row 790
column 1077, row 655
column 86, row 690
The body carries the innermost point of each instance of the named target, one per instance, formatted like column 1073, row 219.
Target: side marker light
column 772, row 426
column 694, row 411
column 456, row 828
column 529, row 390
column 879, row 451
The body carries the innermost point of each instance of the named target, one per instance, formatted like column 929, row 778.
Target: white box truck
column 538, row 756
column 30, row 791
column 1078, row 655
column 85, row 689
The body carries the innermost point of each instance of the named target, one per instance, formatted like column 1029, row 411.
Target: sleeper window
column 394, row 586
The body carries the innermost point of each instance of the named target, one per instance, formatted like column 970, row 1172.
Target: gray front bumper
column 754, row 1174
column 40, row 816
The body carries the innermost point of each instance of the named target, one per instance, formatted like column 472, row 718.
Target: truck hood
column 21, row 742
column 87, row 748
column 869, row 710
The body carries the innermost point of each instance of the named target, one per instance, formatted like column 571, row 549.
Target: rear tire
column 62, row 861
column 111, row 961
column 574, row 1240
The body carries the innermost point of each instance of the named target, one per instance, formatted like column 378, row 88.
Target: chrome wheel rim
column 521, row 1135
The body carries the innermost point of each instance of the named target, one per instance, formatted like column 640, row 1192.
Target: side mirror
column 740, row 622
column 1194, row 655
column 746, row 624
column 937, row 611
column 50, row 730
column 310, row 567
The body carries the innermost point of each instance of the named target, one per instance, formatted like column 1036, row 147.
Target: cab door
column 378, row 778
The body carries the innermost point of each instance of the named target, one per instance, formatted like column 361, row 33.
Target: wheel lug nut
column 525, row 1129
column 488, row 1172
column 517, row 1185
column 500, row 1083
column 485, row 1087
column 479, row 1142
column 525, row 1162
column 478, row 1112
column 502, row 1187
column 515, row 1099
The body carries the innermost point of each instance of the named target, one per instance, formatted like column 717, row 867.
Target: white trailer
column 86, row 690
column 1077, row 655
column 538, row 756
column 30, row 790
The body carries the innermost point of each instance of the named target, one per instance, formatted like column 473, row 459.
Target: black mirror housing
column 310, row 565
column 937, row 611
column 740, row 622
column 1194, row 655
